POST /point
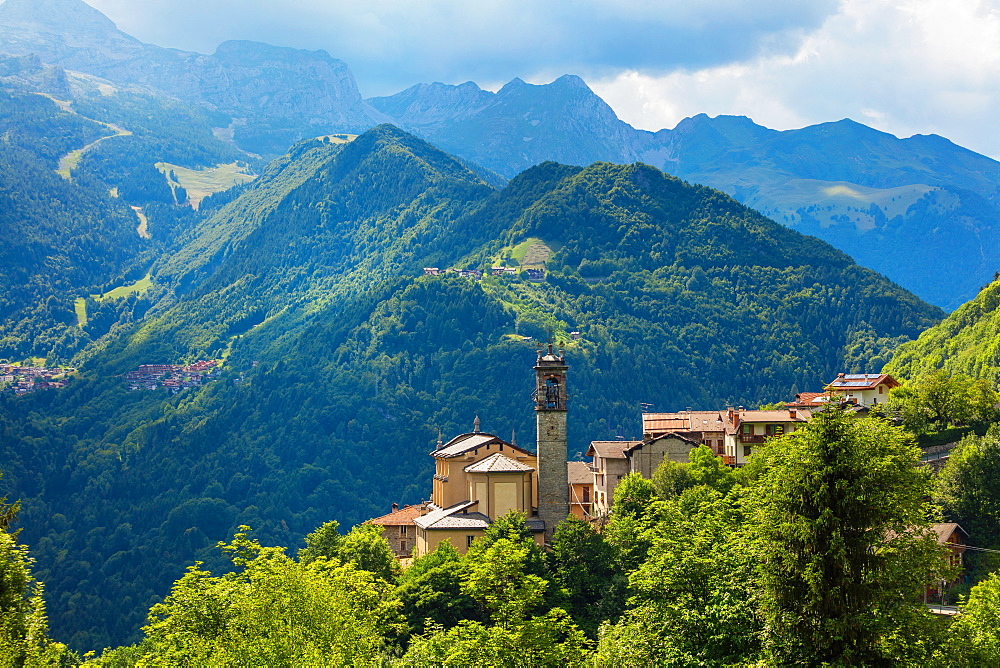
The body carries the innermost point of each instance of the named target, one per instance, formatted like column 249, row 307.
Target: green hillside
column 342, row 361
column 967, row 341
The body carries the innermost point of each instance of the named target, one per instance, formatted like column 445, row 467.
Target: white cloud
column 904, row 66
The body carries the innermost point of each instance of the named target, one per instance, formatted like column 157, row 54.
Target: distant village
column 172, row 377
column 477, row 274
column 26, row 379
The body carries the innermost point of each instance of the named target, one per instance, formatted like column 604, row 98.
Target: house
column 497, row 271
column 747, row 429
column 581, row 489
column 647, row 455
column 536, row 274
column 810, row 400
column 706, row 427
column 864, row 389
column 954, row 537
column 399, row 528
column 432, row 271
column 610, row 464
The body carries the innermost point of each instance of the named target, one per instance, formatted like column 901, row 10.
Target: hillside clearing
column 80, row 306
column 200, row 183
column 140, row 286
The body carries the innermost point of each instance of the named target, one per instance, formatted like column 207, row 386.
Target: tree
column 842, row 538
column 582, row 566
column 366, row 548
column 693, row 598
column 272, row 610
column 23, row 624
column 975, row 634
column 431, row 589
column 323, row 542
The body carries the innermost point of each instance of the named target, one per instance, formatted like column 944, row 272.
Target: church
column 480, row 477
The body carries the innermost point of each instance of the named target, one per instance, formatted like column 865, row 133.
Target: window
column 586, row 495
column 880, row 388
column 774, row 429
column 402, row 530
column 468, row 541
column 746, row 450
column 748, row 429
column 402, row 546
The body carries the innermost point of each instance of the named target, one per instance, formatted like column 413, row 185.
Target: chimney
column 395, row 506
column 791, row 413
column 840, row 375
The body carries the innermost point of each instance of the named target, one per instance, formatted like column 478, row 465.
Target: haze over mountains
column 884, row 200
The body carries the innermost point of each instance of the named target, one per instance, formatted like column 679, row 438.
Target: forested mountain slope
column 967, row 342
column 342, row 361
column 58, row 238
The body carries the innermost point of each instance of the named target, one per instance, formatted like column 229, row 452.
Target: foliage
column 968, row 487
column 695, row 599
column 271, row 610
column 581, row 564
column 23, row 624
column 940, row 399
column 843, row 537
column 965, row 342
column 974, row 637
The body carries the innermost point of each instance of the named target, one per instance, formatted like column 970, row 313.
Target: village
column 480, row 477
column 24, row 379
column 172, row 377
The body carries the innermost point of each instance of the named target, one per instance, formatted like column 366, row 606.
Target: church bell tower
column 550, row 421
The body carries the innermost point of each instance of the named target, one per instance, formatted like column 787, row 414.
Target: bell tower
column 550, row 422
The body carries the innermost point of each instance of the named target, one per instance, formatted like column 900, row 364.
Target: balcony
column 752, row 438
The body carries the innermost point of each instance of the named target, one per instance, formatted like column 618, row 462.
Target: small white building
column 864, row 389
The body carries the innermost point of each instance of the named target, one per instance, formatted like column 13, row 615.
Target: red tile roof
column 861, row 381
column 403, row 516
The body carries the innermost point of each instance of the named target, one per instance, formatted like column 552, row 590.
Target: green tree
column 671, row 478
column 694, row 597
column 23, row 624
column 968, row 488
column 975, row 634
column 366, row 547
column 272, row 610
column 843, row 539
column 323, row 542
column 431, row 589
column 582, row 567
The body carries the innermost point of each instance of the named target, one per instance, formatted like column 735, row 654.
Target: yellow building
column 478, row 478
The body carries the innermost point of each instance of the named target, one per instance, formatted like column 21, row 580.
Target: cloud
column 391, row 44
column 905, row 67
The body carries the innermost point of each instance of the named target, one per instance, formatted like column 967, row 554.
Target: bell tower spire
column 550, row 421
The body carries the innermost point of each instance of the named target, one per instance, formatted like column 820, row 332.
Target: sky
column 902, row 66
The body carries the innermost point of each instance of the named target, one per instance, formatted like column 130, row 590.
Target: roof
column 945, row 530
column 453, row 517
column 610, row 449
column 466, row 442
column 861, row 381
column 498, row 463
column 655, row 423
column 403, row 516
column 579, row 473
column 810, row 399
column 660, row 437
column 784, row 415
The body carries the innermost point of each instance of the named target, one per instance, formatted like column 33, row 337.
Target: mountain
column 517, row 127
column 883, row 200
column 271, row 95
column 341, row 361
column 967, row 341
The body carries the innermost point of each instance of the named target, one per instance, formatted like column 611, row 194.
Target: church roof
column 454, row 517
column 498, row 463
column 465, row 442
